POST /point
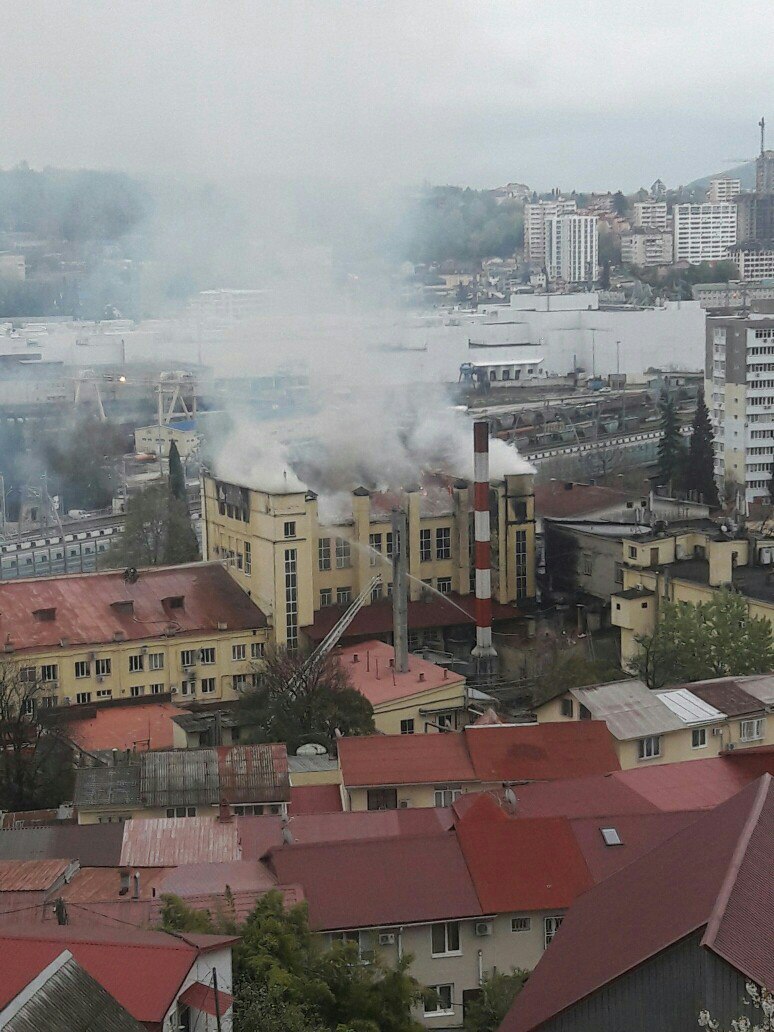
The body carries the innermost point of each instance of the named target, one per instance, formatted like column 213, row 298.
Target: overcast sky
column 593, row 94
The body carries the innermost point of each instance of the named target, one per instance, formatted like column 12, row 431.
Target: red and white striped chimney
column 484, row 651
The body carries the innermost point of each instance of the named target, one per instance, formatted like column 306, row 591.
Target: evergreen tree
column 176, row 475
column 670, row 447
column 700, row 475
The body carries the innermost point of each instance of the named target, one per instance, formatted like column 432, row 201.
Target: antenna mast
column 762, row 124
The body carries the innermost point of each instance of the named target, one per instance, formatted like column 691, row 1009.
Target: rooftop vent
column 48, row 614
column 123, row 605
column 173, row 601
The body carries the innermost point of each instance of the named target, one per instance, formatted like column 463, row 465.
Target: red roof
column 203, row 998
column 376, row 618
column 305, row 799
column 639, row 833
column 82, row 610
column 539, row 752
column 31, row 875
column 120, row 960
column 714, row 873
column 368, row 667
column 370, row 824
column 126, row 726
column 404, row 759
column 380, row 882
column 557, row 499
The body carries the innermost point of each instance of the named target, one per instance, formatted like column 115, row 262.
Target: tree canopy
column 464, row 224
column 295, row 704
column 157, row 531
column 670, row 447
column 700, row 469
column 176, row 475
column 83, row 458
column 696, row 641
column 487, row 1009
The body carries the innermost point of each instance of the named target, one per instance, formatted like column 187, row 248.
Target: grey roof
column 299, row 764
column 188, row 777
column 636, row 592
column 70, row 1000
column 94, row 845
column 629, row 708
column 760, row 686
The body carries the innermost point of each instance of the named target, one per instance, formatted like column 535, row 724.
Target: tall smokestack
column 484, row 652
column 400, row 589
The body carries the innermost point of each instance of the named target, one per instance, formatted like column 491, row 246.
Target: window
column 407, row 727
column 324, row 553
column 27, row 673
column 208, row 685
column 48, row 701
column 156, row 661
column 632, row 552
column 442, row 1002
column 551, row 925
column 364, row 939
column 207, row 656
column 82, row 698
column 521, row 563
column 181, row 811
column 619, row 574
column 188, row 687
column 248, row 558
column 343, row 554
column 445, row 938
column 444, row 585
column 611, row 836
column 136, row 663
column 445, row 721
column 382, row 799
column 103, row 667
column 521, row 924
column 49, row 672
column 291, row 599
column 137, row 690
column 425, row 546
column 238, row 653
column 375, row 544
column 443, row 543
column 586, row 564
column 584, row 713
column 388, row 545
column 698, row 737
column 257, row 649
column 239, row 682
column 749, row 730
column 188, row 657
column 343, row 596
column 82, row 668
column 445, row 795
column 290, row 529
column 157, row 689
column 650, row 747
column 376, row 592
column 104, row 693
column 28, row 707
column 568, row 709
column 326, row 597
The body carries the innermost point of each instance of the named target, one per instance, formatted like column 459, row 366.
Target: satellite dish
column 510, row 798
column 311, row 749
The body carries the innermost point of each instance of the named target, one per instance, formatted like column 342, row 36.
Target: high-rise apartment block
column 651, row 214
column 739, row 386
column 764, row 172
column 646, row 247
column 704, row 232
column 535, row 215
column 755, row 261
column 723, row 189
column 572, row 248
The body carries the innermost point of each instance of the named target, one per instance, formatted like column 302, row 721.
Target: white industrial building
column 704, row 232
column 571, row 242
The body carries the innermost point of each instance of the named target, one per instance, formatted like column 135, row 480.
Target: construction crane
column 332, row 638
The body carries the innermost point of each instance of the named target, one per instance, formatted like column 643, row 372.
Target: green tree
column 84, row 459
column 487, row 1010
column 574, row 671
column 700, row 475
column 696, row 641
column 157, row 531
column 285, row 979
column 296, row 703
column 620, row 204
column 670, row 447
column 176, row 475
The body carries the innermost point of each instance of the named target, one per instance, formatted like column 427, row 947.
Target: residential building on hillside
column 306, row 568
column 651, row 215
column 739, row 387
column 186, row 783
column 755, row 261
column 672, row 725
column 646, row 247
column 657, row 950
column 703, row 232
column 535, row 215
column 188, row 631
column 722, row 189
column 403, row 771
column 571, row 245
column 734, row 294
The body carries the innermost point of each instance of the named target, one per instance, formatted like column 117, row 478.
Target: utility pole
column 217, row 999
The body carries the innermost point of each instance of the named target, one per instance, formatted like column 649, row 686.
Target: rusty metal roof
column 32, row 875
column 169, row 842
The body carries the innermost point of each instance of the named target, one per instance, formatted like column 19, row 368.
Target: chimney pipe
column 224, row 812
column 484, row 652
column 136, row 885
column 400, row 590
column 124, row 875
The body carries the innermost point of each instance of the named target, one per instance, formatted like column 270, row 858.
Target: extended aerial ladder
column 332, row 638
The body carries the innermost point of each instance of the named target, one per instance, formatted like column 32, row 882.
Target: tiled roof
column 714, row 873
column 368, row 667
column 369, row 824
column 380, row 882
column 538, row 752
column 404, row 759
column 94, row 608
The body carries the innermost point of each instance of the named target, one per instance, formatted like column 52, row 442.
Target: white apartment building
column 651, row 215
column 647, row 247
column 571, row 243
column 739, row 386
column 723, row 189
column 753, row 264
column 703, row 232
column 535, row 215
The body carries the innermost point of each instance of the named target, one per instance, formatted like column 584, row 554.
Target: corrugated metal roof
column 253, row 773
column 629, row 708
column 169, row 842
column 108, row 785
column 184, row 778
column 71, row 1000
column 32, row 875
column 94, row 845
column 689, row 707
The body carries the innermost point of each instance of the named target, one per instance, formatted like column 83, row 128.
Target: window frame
column 450, row 932
column 439, row 1010
column 326, row 598
column 408, row 730
column 759, row 729
column 208, row 685
column 155, row 661
column 448, row 794
column 323, row 553
column 136, row 663
column 238, row 652
column 701, row 732
column 85, row 666
column 554, row 922
column 567, row 708
column 49, row 672
column 425, row 545
column 643, row 752
column 526, row 925
column 343, row 553
column 443, row 543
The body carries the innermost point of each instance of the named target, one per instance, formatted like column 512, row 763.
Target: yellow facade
column 424, row 710
column 412, row 796
column 293, row 564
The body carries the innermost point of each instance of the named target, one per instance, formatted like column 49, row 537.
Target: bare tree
column 36, row 768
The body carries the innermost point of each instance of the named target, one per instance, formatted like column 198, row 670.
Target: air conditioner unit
column 404, row 804
column 717, row 730
column 483, row 928
column 173, row 690
column 730, row 746
column 387, row 939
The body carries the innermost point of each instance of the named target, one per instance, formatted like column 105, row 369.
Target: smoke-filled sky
column 599, row 94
